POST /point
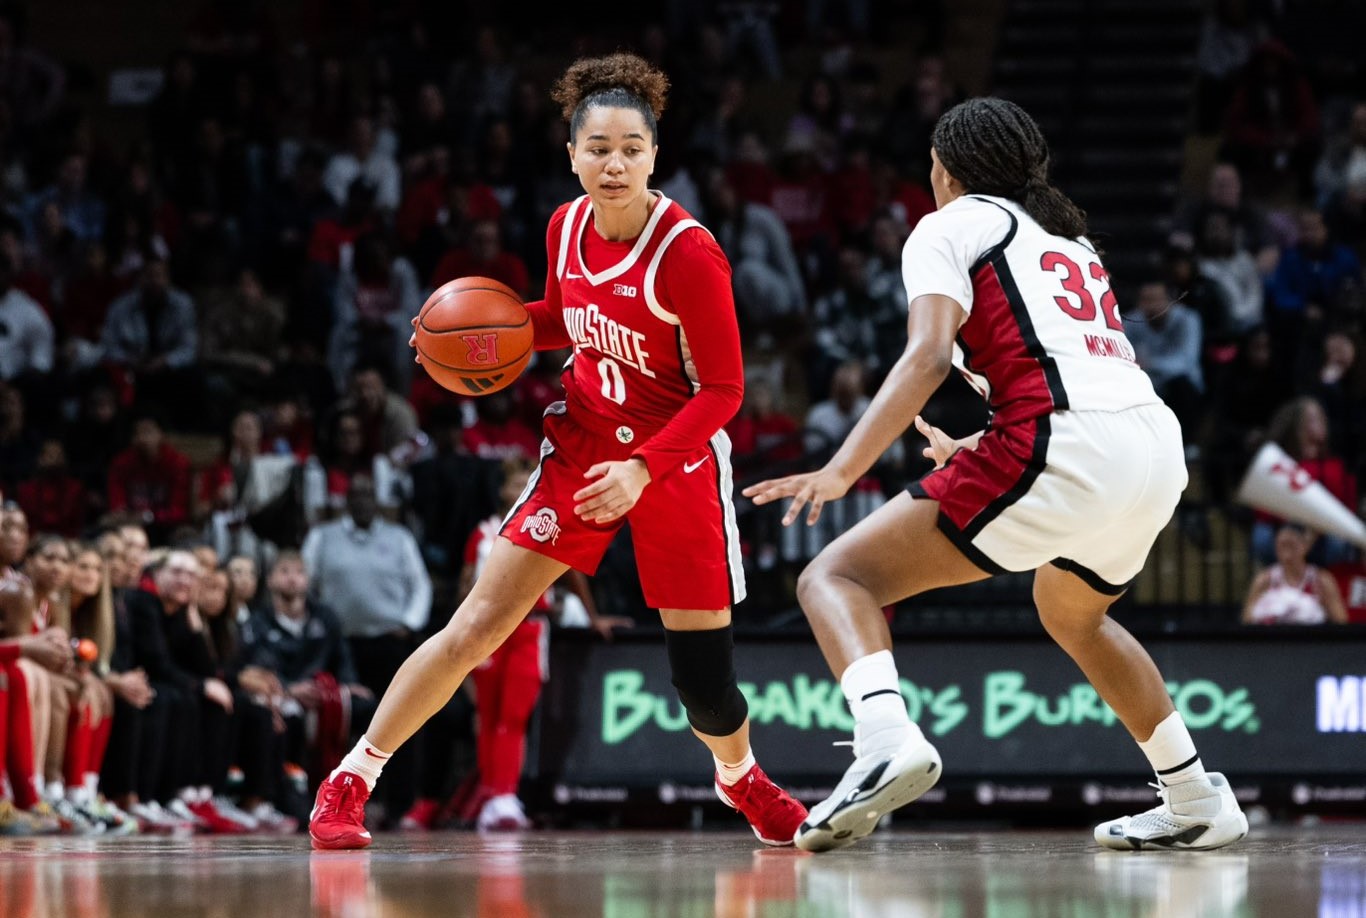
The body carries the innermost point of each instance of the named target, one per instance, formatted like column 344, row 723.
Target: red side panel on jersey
column 1000, row 338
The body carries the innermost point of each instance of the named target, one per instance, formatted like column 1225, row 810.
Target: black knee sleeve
column 704, row 675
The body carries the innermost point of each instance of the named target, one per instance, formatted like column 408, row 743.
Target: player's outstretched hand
column 615, row 492
column 412, row 341
column 814, row 488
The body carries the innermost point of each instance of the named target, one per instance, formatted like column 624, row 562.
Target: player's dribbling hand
column 412, row 341
column 814, row 488
column 614, row 493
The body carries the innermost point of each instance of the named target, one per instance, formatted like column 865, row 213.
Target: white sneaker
column 272, row 821
column 233, row 812
column 503, row 813
column 872, row 787
column 180, row 811
column 1195, row 815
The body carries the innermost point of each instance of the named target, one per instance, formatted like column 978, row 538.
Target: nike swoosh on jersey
column 572, row 276
column 690, row 467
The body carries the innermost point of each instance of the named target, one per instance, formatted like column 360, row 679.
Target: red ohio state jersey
column 633, row 370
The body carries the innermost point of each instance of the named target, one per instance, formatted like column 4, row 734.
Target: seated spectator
column 85, row 305
column 255, row 747
column 849, row 322
column 483, row 255
column 1339, row 384
column 151, row 479
column 386, row 420
column 347, row 458
column 1228, row 33
column 164, row 777
column 363, row 158
column 1344, row 161
column 827, row 424
column 1166, row 336
column 1271, row 128
column 93, row 438
column 54, row 499
column 1233, row 269
column 375, row 299
column 151, row 334
column 761, row 433
column 300, row 641
column 498, row 433
column 1345, row 214
column 1300, row 427
column 19, row 441
column 222, row 483
column 1292, row 591
column 26, row 334
column 81, row 208
column 1309, row 285
column 770, row 292
column 1224, row 195
column 801, row 201
column 92, row 715
column 240, row 338
column 288, row 425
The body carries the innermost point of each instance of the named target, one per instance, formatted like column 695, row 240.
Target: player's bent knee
column 704, row 675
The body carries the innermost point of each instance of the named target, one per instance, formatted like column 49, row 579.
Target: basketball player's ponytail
column 620, row 80
column 993, row 147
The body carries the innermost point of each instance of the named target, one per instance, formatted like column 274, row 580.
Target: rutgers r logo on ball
column 544, row 525
column 483, row 348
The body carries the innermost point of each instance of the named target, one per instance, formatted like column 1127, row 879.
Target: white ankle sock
column 364, row 760
column 873, row 689
column 1171, row 752
column 729, row 774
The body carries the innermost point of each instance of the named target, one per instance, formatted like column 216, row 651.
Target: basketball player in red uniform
column 1078, row 471
column 642, row 294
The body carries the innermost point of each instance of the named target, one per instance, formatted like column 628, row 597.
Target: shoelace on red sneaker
column 333, row 804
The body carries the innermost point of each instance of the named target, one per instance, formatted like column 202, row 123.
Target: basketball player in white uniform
column 1078, row 471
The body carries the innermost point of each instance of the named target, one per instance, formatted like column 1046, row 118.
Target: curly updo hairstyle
column 993, row 147
column 620, row 80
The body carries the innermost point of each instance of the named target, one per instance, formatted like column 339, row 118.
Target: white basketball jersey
column 1041, row 330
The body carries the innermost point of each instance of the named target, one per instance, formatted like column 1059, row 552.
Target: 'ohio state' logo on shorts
column 544, row 525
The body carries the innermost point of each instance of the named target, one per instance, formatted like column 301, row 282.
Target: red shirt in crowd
column 509, row 440
column 160, row 485
column 54, row 505
column 504, row 267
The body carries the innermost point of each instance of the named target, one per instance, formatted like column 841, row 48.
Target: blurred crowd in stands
column 223, row 472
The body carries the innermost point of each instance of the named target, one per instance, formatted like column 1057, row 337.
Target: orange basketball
column 474, row 335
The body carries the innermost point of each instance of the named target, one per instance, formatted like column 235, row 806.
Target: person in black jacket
column 301, row 642
column 162, row 634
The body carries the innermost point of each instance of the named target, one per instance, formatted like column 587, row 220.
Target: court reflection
column 1319, row 871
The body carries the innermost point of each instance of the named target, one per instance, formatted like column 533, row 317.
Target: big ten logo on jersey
column 1077, row 302
column 588, row 327
column 623, row 290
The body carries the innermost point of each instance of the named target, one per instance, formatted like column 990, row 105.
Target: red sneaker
column 772, row 814
column 338, row 817
column 421, row 815
column 218, row 823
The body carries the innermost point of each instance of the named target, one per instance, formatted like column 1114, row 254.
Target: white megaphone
column 1279, row 485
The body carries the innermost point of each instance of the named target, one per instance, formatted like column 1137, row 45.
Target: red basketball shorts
column 683, row 532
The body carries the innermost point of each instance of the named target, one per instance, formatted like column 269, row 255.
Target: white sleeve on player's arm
column 939, row 255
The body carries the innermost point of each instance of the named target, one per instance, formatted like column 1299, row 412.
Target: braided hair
column 993, row 147
column 620, row 80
